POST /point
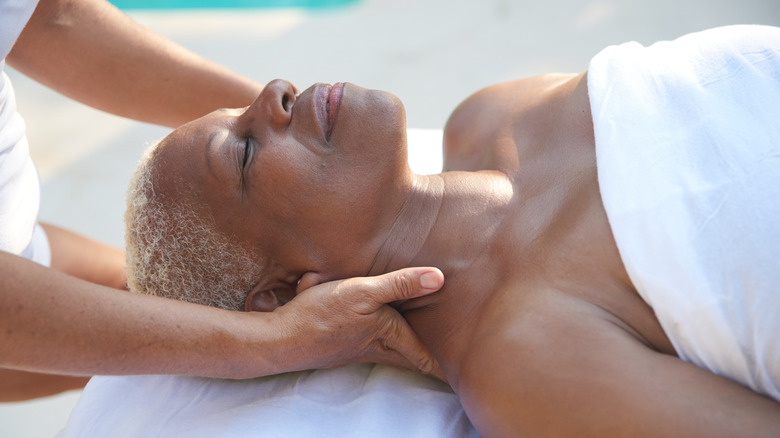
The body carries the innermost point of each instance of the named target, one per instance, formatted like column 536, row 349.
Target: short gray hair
column 174, row 252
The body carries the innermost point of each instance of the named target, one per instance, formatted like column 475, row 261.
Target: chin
column 370, row 119
column 394, row 116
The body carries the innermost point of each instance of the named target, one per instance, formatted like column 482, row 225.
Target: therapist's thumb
column 406, row 284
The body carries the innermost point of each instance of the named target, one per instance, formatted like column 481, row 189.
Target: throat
column 411, row 227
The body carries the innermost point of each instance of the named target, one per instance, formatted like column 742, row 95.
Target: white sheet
column 688, row 148
column 361, row 400
column 358, row 401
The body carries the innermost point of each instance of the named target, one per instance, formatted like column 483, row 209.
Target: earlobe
column 261, row 300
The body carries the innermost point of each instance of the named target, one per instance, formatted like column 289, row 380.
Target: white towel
column 688, row 149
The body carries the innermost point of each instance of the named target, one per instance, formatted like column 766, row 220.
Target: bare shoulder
column 482, row 132
column 562, row 368
column 471, row 132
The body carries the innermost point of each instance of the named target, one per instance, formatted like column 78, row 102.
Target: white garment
column 20, row 190
column 688, row 150
column 14, row 15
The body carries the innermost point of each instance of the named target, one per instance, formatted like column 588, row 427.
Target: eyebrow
column 209, row 145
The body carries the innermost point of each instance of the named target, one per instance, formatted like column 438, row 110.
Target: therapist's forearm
column 93, row 53
column 55, row 323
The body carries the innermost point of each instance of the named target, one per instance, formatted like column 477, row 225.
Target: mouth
column 332, row 105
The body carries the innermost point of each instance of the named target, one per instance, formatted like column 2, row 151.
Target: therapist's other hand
column 347, row 321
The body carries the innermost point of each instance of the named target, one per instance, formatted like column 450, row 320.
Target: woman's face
column 304, row 181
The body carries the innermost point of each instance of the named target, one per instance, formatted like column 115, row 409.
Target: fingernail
column 429, row 280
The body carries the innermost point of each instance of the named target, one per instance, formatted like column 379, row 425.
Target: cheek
column 287, row 184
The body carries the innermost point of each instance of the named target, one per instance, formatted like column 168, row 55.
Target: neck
column 444, row 221
column 412, row 225
column 473, row 206
column 448, row 221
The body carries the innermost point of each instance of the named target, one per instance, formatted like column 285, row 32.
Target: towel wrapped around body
column 688, row 151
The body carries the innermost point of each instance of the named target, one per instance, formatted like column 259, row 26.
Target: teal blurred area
column 228, row 4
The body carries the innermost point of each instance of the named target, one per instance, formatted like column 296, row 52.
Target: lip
column 326, row 100
column 336, row 92
column 320, row 101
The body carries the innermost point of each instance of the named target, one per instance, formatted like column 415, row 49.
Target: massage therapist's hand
column 69, row 326
column 349, row 321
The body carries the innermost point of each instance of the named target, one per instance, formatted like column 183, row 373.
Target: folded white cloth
column 688, row 150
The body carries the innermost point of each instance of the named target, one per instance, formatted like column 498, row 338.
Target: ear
column 261, row 300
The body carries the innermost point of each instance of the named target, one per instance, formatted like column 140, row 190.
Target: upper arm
column 90, row 51
column 588, row 378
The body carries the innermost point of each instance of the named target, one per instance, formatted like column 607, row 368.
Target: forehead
column 186, row 164
column 196, row 134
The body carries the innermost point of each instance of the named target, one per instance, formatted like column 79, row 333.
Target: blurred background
column 431, row 53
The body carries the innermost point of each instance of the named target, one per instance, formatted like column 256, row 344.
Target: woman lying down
column 609, row 239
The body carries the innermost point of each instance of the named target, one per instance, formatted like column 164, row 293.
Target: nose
column 275, row 103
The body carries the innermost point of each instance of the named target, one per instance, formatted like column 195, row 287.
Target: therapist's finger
column 396, row 342
column 347, row 321
column 395, row 287
column 399, row 345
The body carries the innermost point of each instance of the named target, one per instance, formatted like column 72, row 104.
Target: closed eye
column 246, row 153
column 245, row 160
